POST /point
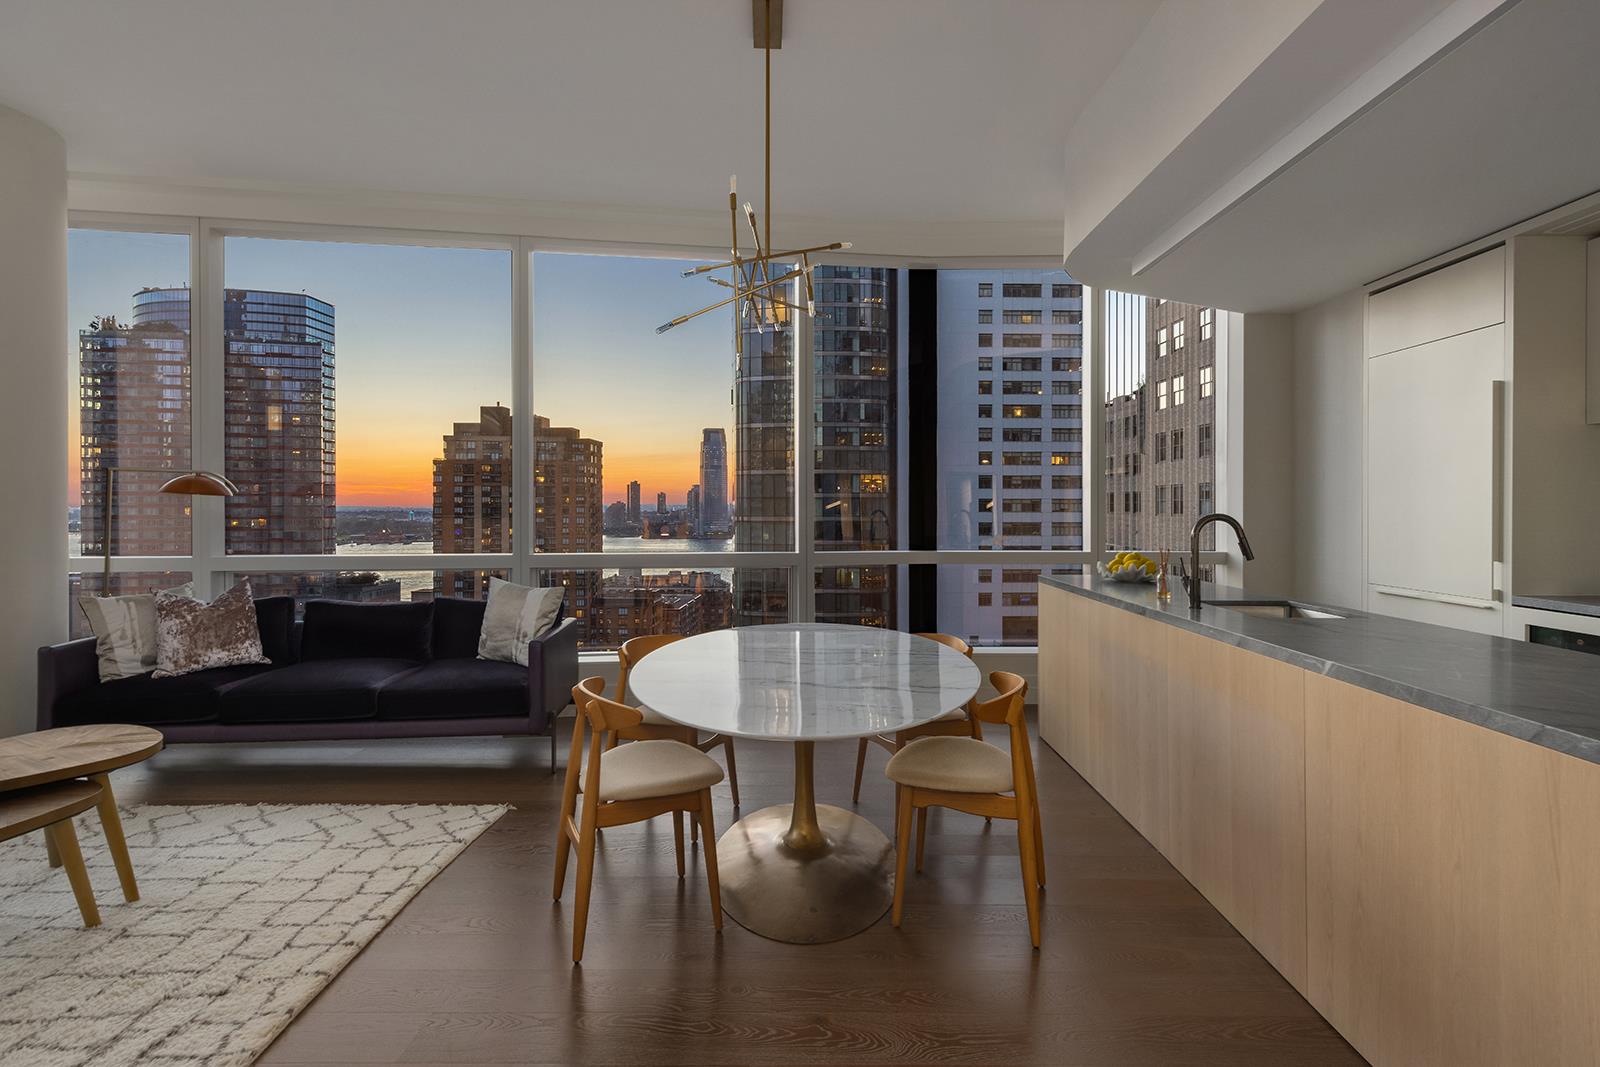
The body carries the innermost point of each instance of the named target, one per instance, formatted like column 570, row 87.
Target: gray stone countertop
column 1548, row 696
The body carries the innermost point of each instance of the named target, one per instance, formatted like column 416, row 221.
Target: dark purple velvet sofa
column 348, row 671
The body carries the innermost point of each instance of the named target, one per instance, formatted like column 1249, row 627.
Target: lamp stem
column 767, row 50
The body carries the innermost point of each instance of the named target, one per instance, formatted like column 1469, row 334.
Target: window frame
column 212, row 568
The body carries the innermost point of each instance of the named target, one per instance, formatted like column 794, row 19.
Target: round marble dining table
column 804, row 872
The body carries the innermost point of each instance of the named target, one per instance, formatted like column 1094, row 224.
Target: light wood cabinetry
column 1432, row 887
column 1452, row 916
column 1198, row 745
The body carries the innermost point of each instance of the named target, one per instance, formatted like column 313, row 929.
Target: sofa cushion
column 338, row 629
column 150, row 701
column 456, row 689
column 329, row 690
column 457, row 622
column 275, row 620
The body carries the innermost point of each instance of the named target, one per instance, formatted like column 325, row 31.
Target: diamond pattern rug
column 247, row 912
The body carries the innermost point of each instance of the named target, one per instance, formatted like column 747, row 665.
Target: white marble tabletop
column 804, row 681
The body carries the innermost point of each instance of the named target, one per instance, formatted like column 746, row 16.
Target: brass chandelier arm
column 787, row 254
column 738, row 295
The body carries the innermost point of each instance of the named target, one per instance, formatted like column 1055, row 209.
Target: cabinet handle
column 1441, row 598
column 1497, row 395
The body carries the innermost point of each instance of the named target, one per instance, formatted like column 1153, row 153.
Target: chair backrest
column 949, row 641
column 635, row 649
column 602, row 716
column 1007, row 707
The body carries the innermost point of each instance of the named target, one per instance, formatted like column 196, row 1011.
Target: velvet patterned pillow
column 191, row 636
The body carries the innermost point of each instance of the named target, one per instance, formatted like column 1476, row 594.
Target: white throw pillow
column 124, row 629
column 515, row 615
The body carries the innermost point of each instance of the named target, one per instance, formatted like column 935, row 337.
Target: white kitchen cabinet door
column 1432, row 435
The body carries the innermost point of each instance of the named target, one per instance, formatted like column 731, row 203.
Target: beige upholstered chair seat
column 957, row 764
column 642, row 769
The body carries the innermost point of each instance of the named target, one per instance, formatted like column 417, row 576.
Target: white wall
column 33, row 406
column 1328, row 495
column 1260, row 453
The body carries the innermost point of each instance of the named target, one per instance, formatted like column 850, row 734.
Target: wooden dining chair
column 655, row 726
column 957, row 722
column 624, row 785
column 976, row 777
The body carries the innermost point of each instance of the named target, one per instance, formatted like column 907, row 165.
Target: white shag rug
column 246, row 913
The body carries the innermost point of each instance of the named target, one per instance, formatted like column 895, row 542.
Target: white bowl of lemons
column 1129, row 567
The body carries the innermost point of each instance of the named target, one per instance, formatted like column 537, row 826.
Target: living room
column 1044, row 531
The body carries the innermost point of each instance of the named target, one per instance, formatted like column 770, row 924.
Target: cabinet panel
column 1432, row 432
column 1453, row 874
column 1464, row 296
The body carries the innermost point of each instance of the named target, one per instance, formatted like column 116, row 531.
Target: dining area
column 811, row 870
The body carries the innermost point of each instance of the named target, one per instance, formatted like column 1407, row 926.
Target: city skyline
column 400, row 307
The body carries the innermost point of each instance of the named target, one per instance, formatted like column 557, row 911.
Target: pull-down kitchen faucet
column 1191, row 575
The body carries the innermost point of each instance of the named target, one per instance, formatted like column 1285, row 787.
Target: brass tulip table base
column 804, row 873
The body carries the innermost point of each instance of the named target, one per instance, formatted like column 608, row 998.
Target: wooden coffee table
column 92, row 752
column 50, row 808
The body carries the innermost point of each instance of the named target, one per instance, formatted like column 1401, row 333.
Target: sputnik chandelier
column 757, row 280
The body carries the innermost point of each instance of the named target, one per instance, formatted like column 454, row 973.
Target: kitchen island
column 1403, row 819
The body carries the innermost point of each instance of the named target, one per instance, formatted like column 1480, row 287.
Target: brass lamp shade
column 200, row 483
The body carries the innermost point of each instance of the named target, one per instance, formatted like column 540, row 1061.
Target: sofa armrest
column 552, row 673
column 64, row 669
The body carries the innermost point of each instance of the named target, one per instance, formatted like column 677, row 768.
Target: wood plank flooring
column 1136, row 967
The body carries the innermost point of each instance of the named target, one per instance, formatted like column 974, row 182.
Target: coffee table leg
column 111, row 822
column 50, row 850
column 65, row 840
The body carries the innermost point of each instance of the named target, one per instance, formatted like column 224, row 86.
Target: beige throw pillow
column 124, row 629
column 515, row 615
column 191, row 636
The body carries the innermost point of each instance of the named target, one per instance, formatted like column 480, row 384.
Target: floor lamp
column 188, row 483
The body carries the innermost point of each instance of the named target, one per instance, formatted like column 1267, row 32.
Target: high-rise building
column 133, row 397
column 278, row 425
column 1010, row 439
column 713, row 481
column 661, row 503
column 696, row 510
column 634, row 513
column 472, row 497
column 279, row 422
column 858, row 378
column 1161, row 418
column 853, row 500
column 567, row 511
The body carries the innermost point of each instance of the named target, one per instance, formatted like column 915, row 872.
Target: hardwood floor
column 1135, row 968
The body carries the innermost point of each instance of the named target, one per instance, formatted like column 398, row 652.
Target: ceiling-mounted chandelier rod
column 755, row 297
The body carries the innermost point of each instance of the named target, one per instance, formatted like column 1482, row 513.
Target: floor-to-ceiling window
column 914, row 456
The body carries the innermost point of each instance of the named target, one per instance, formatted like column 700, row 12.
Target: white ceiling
column 909, row 110
column 1482, row 118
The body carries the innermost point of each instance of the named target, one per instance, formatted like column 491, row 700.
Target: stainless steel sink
column 1273, row 609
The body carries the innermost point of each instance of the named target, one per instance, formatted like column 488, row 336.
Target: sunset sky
column 424, row 339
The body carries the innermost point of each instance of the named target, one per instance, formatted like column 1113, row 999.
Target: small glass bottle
column 1163, row 591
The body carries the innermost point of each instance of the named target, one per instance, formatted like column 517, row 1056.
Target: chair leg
column 922, row 834
column 733, row 769
column 861, row 765
column 1027, row 850
column 66, row 842
column 1038, row 840
column 710, row 853
column 677, row 839
column 902, row 838
column 116, row 844
column 569, row 804
column 580, row 913
column 552, row 747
